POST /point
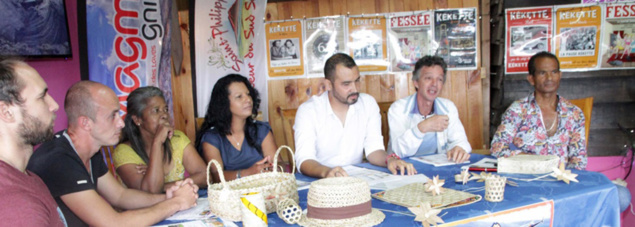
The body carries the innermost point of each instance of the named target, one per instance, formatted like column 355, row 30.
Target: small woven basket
column 495, row 188
column 224, row 197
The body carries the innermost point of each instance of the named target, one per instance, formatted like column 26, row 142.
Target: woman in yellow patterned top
column 152, row 155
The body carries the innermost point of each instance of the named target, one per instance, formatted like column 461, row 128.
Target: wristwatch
column 238, row 174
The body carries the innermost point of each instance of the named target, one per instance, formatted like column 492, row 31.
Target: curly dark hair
column 137, row 103
column 219, row 116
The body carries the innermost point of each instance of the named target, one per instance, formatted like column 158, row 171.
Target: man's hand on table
column 336, row 172
column 458, row 155
column 396, row 165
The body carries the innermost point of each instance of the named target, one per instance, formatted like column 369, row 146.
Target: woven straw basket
column 224, row 197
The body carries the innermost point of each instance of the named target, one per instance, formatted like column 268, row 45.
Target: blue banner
column 129, row 45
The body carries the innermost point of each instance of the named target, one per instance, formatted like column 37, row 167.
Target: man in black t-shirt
column 78, row 177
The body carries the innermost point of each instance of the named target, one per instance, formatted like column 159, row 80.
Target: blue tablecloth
column 593, row 201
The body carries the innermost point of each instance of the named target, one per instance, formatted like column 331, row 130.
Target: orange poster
column 578, row 36
column 367, row 42
column 284, row 55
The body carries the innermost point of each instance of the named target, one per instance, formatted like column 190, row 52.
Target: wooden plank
column 283, row 10
column 324, row 8
column 387, row 87
column 471, row 3
column 401, row 85
column 355, row 7
column 426, row 4
column 410, row 5
column 485, row 47
column 373, row 86
column 295, row 9
column 304, row 89
column 459, row 97
column 182, row 84
column 338, row 8
column 382, row 6
column 271, row 13
column 474, row 103
column 276, row 102
column 441, row 4
column 396, row 6
column 312, row 9
column 454, row 4
column 367, row 7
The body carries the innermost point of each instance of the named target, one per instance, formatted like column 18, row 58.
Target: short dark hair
column 333, row 61
column 531, row 66
column 10, row 84
column 429, row 61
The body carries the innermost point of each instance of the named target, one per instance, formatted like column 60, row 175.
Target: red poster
column 529, row 31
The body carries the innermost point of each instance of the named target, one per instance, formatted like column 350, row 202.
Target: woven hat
column 340, row 201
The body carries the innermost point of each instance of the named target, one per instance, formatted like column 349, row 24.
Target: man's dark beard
column 345, row 100
column 33, row 131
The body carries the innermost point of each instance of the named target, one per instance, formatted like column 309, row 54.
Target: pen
column 482, row 169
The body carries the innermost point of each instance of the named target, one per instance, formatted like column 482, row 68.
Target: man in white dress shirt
column 423, row 123
column 336, row 128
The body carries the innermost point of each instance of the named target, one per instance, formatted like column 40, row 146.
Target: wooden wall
column 469, row 90
column 464, row 88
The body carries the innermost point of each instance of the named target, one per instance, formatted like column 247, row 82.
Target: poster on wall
column 578, row 36
column 618, row 37
column 528, row 31
column 129, row 46
column 284, row 52
column 228, row 38
column 455, row 37
column 325, row 36
column 367, row 42
column 409, row 39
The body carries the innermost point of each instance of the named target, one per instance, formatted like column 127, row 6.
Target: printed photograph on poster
column 455, row 36
column 579, row 41
column 577, row 36
column 527, row 32
column 409, row 39
column 284, row 52
column 618, row 37
column 325, row 36
column 367, row 42
column 284, row 55
column 528, row 40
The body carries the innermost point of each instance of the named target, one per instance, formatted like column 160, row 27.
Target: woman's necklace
column 234, row 139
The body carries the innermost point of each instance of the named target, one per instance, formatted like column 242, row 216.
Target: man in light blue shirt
column 423, row 123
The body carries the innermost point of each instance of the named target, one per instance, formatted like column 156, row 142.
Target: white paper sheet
column 436, row 160
column 381, row 180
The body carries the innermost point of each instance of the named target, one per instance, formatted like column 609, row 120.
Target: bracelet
column 238, row 174
column 393, row 155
